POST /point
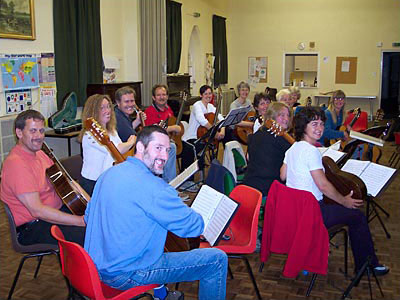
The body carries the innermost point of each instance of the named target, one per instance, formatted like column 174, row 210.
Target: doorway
column 390, row 82
column 194, row 61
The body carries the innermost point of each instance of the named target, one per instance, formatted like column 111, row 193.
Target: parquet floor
column 50, row 284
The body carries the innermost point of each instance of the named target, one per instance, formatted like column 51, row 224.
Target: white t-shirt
column 302, row 158
column 197, row 118
column 256, row 125
column 96, row 157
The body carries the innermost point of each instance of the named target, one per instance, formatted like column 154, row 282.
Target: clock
column 301, row 46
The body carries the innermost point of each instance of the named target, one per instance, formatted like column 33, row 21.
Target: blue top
column 124, row 125
column 330, row 131
column 129, row 215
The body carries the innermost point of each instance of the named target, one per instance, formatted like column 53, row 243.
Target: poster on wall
column 257, row 70
column 19, row 71
column 48, row 100
column 47, row 69
column 17, row 101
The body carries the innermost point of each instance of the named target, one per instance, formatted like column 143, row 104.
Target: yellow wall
column 338, row 28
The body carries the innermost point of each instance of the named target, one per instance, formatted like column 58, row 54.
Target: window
column 301, row 69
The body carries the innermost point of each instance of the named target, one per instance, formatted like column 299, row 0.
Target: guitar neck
column 178, row 119
column 115, row 152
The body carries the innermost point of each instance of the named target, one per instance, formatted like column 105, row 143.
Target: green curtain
column 77, row 47
column 220, row 50
column 174, row 35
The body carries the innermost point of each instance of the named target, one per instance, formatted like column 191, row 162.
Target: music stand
column 235, row 116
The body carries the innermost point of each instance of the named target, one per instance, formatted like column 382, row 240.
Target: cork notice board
column 258, row 69
column 346, row 70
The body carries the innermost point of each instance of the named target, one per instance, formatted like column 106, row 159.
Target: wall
column 338, row 28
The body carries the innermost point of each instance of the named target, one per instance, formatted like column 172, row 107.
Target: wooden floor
column 50, row 284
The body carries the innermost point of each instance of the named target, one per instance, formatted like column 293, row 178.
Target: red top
column 25, row 172
column 155, row 115
column 293, row 224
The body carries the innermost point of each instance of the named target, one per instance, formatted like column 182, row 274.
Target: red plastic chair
column 243, row 228
column 361, row 124
column 80, row 270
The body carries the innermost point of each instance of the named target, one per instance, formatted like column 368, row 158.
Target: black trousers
column 359, row 233
column 39, row 232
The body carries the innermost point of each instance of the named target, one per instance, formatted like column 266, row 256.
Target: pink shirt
column 25, row 172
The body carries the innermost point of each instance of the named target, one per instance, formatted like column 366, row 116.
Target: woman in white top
column 96, row 157
column 303, row 169
column 196, row 120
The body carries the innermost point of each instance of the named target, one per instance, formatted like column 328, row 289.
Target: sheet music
column 181, row 178
column 366, row 138
column 355, row 167
column 206, row 202
column 375, row 177
column 335, row 155
column 221, row 216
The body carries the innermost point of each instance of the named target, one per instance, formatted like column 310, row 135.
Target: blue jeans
column 207, row 265
column 170, row 165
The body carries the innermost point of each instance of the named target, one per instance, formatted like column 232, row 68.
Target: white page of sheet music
column 220, row 218
column 375, row 177
column 206, row 202
column 355, row 167
column 335, row 155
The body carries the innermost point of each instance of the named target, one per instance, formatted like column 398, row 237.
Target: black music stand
column 235, row 116
column 367, row 267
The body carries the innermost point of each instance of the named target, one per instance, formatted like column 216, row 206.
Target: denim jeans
column 170, row 165
column 207, row 265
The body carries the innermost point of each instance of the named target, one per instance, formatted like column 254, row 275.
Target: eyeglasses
column 338, row 99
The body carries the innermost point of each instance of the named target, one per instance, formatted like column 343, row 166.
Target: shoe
column 381, row 270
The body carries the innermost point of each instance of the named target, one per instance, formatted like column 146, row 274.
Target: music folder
column 217, row 211
column 236, row 115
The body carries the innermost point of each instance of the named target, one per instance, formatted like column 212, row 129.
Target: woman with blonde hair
column 284, row 96
column 266, row 151
column 335, row 116
column 96, row 157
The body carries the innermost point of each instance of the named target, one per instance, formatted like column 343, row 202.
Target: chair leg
column 230, row 271
column 17, row 276
column 246, row 261
column 346, row 251
column 38, row 266
column 311, row 285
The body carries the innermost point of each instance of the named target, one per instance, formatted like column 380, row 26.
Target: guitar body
column 61, row 182
column 203, row 130
column 357, row 114
column 175, row 243
column 344, row 182
column 177, row 137
column 242, row 133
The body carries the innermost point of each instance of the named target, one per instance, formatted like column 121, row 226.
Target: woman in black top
column 266, row 152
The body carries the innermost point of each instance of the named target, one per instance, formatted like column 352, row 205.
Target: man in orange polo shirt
column 32, row 199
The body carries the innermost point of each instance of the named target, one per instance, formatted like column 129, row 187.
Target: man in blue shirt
column 128, row 218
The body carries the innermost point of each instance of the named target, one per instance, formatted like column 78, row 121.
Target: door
column 390, row 97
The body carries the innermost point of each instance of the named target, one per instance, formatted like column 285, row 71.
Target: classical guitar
column 177, row 137
column 211, row 117
column 102, row 137
column 62, row 183
column 173, row 242
column 357, row 114
column 242, row 133
column 344, row 182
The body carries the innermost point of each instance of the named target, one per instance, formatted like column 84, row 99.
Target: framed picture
column 17, row 19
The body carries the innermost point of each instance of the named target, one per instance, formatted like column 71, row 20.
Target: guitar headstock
column 97, row 131
column 183, row 95
column 357, row 112
column 379, row 115
column 163, row 124
column 274, row 128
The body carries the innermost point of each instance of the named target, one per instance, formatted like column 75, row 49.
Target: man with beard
column 129, row 216
column 25, row 188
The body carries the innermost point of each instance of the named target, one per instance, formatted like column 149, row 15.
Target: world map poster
column 19, row 71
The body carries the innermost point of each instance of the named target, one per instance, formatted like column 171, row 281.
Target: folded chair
column 30, row 251
column 81, row 272
column 243, row 228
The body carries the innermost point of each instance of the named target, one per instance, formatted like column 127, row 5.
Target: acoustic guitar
column 177, row 137
column 173, row 242
column 344, row 182
column 62, row 183
column 357, row 114
column 242, row 133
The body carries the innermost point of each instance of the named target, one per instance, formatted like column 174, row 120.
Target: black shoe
column 381, row 270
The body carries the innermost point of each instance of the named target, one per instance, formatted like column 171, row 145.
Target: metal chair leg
column 311, row 285
column 230, row 271
column 38, row 266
